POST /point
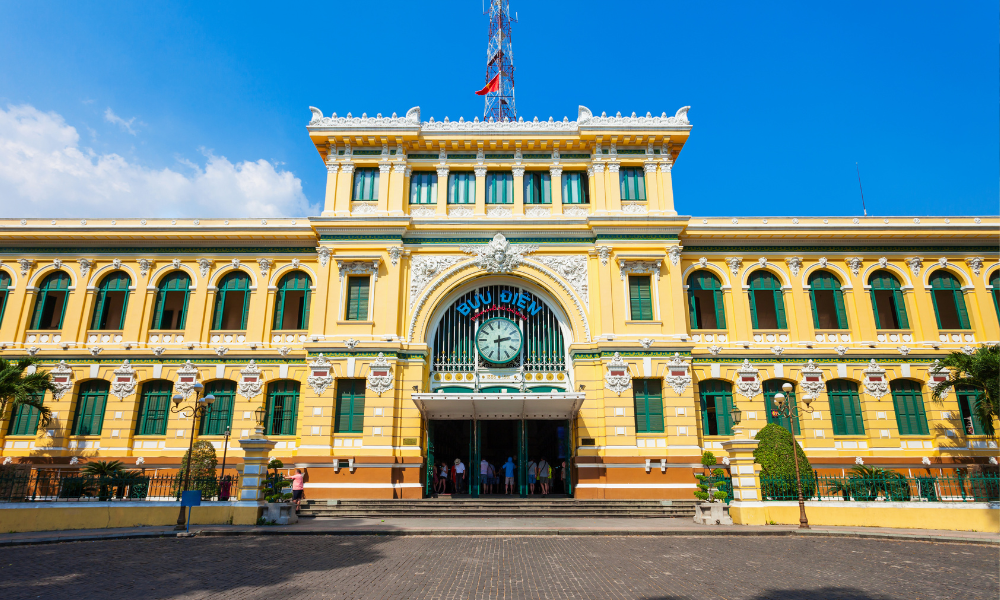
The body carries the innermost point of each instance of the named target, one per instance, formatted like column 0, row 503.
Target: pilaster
column 442, row 199
column 384, row 169
column 613, row 187
column 666, row 189
column 480, row 207
column 518, row 208
column 654, row 200
column 555, row 172
column 329, row 204
column 342, row 201
column 599, row 197
column 398, row 184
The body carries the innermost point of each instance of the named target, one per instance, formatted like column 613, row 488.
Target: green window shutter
column 779, row 308
column 995, row 283
column 358, row 408
column 220, row 414
column 220, row 302
column 161, row 298
column 909, row 405
column 153, row 407
column 357, row 298
column 963, row 314
column 365, row 184
column 350, row 406
column 279, row 310
column 838, row 300
column 845, row 406
column 423, row 187
column 461, row 188
column 24, row 419
column 574, row 187
column 772, row 387
column 306, row 299
column 99, row 299
column 937, row 313
column 900, row 305
column 693, row 311
column 720, row 309
column 91, row 401
column 246, row 310
column 704, row 398
column 967, row 405
column 648, row 400
column 640, row 299
column 753, row 308
column 871, row 294
column 812, row 302
column 282, row 407
column 5, row 280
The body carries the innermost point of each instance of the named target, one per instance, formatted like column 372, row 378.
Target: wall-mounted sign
column 505, row 300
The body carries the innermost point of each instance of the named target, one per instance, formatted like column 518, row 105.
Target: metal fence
column 35, row 486
column 891, row 487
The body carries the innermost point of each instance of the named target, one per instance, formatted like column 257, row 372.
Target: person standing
column 459, row 476
column 484, row 475
column 508, row 471
column 298, row 488
column 544, row 475
column 443, row 478
column 562, row 478
column 491, row 474
column 532, row 476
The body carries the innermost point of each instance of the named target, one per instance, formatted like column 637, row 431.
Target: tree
column 980, row 371
column 22, row 385
column 203, row 464
column 777, row 464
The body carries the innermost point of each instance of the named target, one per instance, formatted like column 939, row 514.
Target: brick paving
column 486, row 567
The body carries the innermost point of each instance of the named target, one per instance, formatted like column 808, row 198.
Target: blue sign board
column 191, row 498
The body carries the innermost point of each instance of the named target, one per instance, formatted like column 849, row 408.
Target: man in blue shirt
column 508, row 472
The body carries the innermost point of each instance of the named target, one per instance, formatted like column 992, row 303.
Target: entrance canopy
column 555, row 405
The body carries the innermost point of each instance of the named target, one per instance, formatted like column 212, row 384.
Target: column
column 256, row 452
column 746, row 483
column 599, row 198
column 556, row 173
column 442, row 199
column 613, row 188
column 518, row 172
column 654, row 202
column 480, row 208
column 666, row 189
column 331, row 189
column 384, row 169
column 397, row 188
column 342, row 201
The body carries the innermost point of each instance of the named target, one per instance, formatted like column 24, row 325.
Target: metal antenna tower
column 500, row 61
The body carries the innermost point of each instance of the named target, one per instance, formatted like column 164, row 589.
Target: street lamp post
column 785, row 409
column 198, row 410
column 222, row 476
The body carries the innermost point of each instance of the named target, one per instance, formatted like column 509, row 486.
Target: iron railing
column 37, row 486
column 890, row 487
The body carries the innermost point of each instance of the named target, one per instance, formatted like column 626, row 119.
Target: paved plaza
column 320, row 566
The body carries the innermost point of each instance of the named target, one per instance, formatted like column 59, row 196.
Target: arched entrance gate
column 500, row 385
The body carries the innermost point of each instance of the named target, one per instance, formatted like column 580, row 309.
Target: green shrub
column 774, row 455
column 203, row 466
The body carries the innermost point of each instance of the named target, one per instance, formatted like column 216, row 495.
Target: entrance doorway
column 548, row 440
column 446, row 441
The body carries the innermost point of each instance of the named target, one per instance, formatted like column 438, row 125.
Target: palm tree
column 22, row 386
column 979, row 370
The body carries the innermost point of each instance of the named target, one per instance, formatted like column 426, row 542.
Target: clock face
column 498, row 340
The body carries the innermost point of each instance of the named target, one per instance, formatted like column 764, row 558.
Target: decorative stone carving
column 425, row 268
column 159, row 350
column 116, row 263
column 411, row 120
column 380, row 375
column 777, row 350
column 251, row 381
column 823, row 262
column 517, row 170
column 284, row 350
column 640, row 267
column 85, row 265
column 324, row 255
column 855, row 264
column 480, row 170
column 794, row 264
column 422, row 212
column 265, row 265
column 674, row 252
column 33, row 350
column 62, row 380
column 187, row 376
column 571, row 268
column 976, row 264
column 575, row 211
column 499, row 256
column 915, row 263
column 175, row 263
column 364, row 208
column 295, row 263
column 460, row 211
column 943, row 261
column 537, row 212
column 358, row 267
column 25, row 264
column 221, row 350
column 646, row 342
column 747, row 380
column 204, row 266
column 604, row 253
column 734, row 263
column 635, row 208
column 57, row 263
column 123, row 384
column 968, row 350
column 145, row 265
column 236, row 263
column 703, row 262
column 812, row 381
column 904, row 350
column 678, row 374
column 841, row 350
column 499, row 212
column 883, row 262
column 93, row 351
column 320, row 375
column 715, row 350
column 394, row 253
column 876, row 383
column 555, row 170
column 618, row 377
column 351, row 343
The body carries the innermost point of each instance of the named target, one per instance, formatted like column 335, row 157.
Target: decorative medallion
column 715, row 350
column 380, row 375
column 62, row 380
column 85, row 265
column 423, row 212
column 855, row 264
column 123, row 385
column 734, row 263
column 460, row 211
column 351, row 343
column 575, row 211
column 646, row 342
column 777, row 350
column 324, row 255
column 915, row 263
column 499, row 212
column 187, row 376
column 425, row 268
column 812, row 381
column 395, row 252
column 678, row 374
column 265, row 265
column 251, row 381
column 604, row 253
column 25, row 265
column 747, row 380
column 635, row 208
column 876, row 383
column 499, row 256
column 618, row 377
column 204, row 265
column 144, row 265
column 674, row 252
column 320, row 375
column 841, row 350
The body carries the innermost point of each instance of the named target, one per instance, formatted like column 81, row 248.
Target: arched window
column 291, row 305
column 219, row 416
column 5, row 281
column 887, row 301
column 716, row 404
column 772, row 387
column 767, row 306
column 50, row 305
column 172, row 301
column 949, row 303
column 705, row 304
column 845, row 407
column 827, row 301
column 90, row 403
column 24, row 419
column 995, row 283
column 282, row 407
column 111, row 302
column 909, row 404
column 154, row 407
column 232, row 300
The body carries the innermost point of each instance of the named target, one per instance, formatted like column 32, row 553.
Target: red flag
column 492, row 86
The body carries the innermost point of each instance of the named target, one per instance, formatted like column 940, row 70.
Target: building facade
column 492, row 289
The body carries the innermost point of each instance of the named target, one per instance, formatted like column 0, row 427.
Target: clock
column 498, row 340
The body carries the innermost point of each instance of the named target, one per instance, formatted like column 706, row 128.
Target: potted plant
column 709, row 512
column 279, row 510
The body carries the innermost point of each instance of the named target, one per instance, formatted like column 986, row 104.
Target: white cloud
column 126, row 126
column 44, row 172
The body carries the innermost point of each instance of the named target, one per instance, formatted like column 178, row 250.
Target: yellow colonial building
column 479, row 289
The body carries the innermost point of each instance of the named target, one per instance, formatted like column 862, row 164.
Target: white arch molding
column 154, row 279
column 770, row 267
column 907, row 283
column 949, row 267
column 845, row 280
column 123, row 267
column 214, row 279
column 986, row 274
column 13, row 274
column 290, row 267
column 73, row 278
column 711, row 268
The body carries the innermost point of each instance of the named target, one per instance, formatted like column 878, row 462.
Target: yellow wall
column 895, row 515
column 58, row 516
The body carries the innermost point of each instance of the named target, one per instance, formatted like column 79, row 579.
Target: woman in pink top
column 298, row 486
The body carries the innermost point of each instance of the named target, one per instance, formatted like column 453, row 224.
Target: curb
column 498, row 533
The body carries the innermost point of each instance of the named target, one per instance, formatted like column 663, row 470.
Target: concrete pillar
column 613, row 188
column 746, row 482
column 342, row 201
column 256, row 452
column 518, row 172
column 480, row 207
column 397, row 189
column 653, row 197
column 555, row 172
column 442, row 199
column 329, row 205
column 599, row 198
column 384, row 170
column 666, row 189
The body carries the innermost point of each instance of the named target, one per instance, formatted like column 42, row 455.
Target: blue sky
column 199, row 109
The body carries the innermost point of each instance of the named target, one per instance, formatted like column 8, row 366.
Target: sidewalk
column 502, row 526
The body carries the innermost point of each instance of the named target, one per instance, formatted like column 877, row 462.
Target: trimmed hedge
column 774, row 455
